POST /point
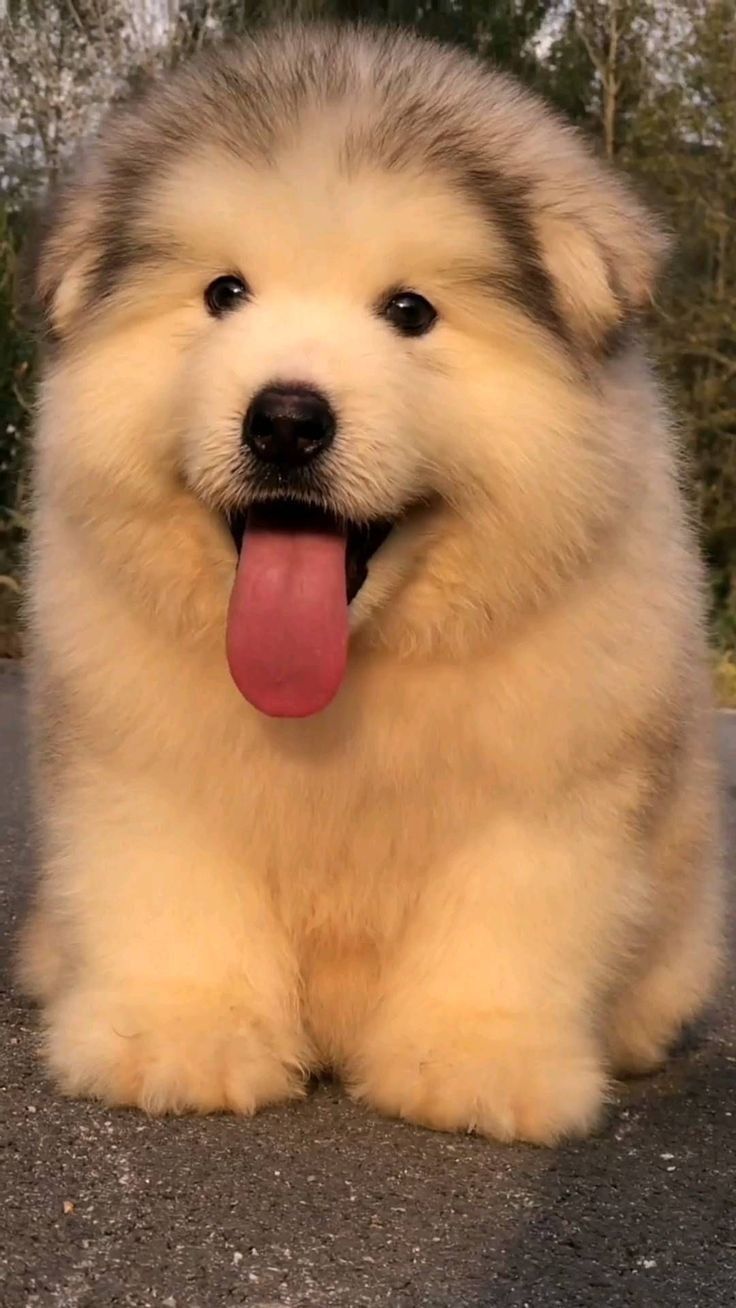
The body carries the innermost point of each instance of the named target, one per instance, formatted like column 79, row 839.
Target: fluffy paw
column 638, row 1048
column 650, row 1015
column 642, row 1035
column 170, row 1053
column 512, row 1088
column 648, row 1021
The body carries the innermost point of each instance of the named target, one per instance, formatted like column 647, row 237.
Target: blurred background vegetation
column 652, row 82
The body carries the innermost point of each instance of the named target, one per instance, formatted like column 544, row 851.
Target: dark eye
column 409, row 313
column 224, row 294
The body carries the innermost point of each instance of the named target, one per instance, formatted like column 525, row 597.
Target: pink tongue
column 287, row 625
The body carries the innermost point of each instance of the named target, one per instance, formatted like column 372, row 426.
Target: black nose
column 289, row 425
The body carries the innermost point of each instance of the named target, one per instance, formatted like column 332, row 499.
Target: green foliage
column 725, row 680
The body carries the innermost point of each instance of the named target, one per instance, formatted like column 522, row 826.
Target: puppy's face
column 323, row 367
column 351, row 347
column 329, row 342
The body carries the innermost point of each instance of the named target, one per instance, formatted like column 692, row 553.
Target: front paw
column 169, row 1051
column 501, row 1081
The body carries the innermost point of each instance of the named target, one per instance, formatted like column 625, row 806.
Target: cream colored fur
column 485, row 879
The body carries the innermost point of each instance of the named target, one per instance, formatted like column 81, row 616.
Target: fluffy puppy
column 367, row 659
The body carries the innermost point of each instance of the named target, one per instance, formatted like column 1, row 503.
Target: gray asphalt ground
column 325, row 1204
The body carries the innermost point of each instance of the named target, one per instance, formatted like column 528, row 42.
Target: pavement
column 324, row 1204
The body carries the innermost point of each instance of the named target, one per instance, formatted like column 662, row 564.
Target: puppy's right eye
column 410, row 314
column 225, row 294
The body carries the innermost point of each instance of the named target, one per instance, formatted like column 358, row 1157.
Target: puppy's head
column 359, row 297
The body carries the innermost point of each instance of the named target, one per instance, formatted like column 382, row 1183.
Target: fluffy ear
column 64, row 246
column 62, row 259
column 604, row 251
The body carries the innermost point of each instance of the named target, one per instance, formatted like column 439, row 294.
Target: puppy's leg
column 490, row 1018
column 180, row 990
column 669, row 993
column 680, row 961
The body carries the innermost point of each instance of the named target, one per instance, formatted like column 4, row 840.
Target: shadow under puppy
column 369, row 681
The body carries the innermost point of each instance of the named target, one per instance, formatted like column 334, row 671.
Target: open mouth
column 299, row 568
column 289, row 516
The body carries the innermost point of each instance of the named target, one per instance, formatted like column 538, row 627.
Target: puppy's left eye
column 409, row 313
column 224, row 294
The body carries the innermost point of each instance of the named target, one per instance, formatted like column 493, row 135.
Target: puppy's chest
column 328, row 818
column 349, row 837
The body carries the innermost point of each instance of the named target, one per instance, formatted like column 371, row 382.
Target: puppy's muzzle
column 289, row 426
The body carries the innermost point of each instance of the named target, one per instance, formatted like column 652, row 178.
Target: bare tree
column 63, row 63
column 614, row 35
